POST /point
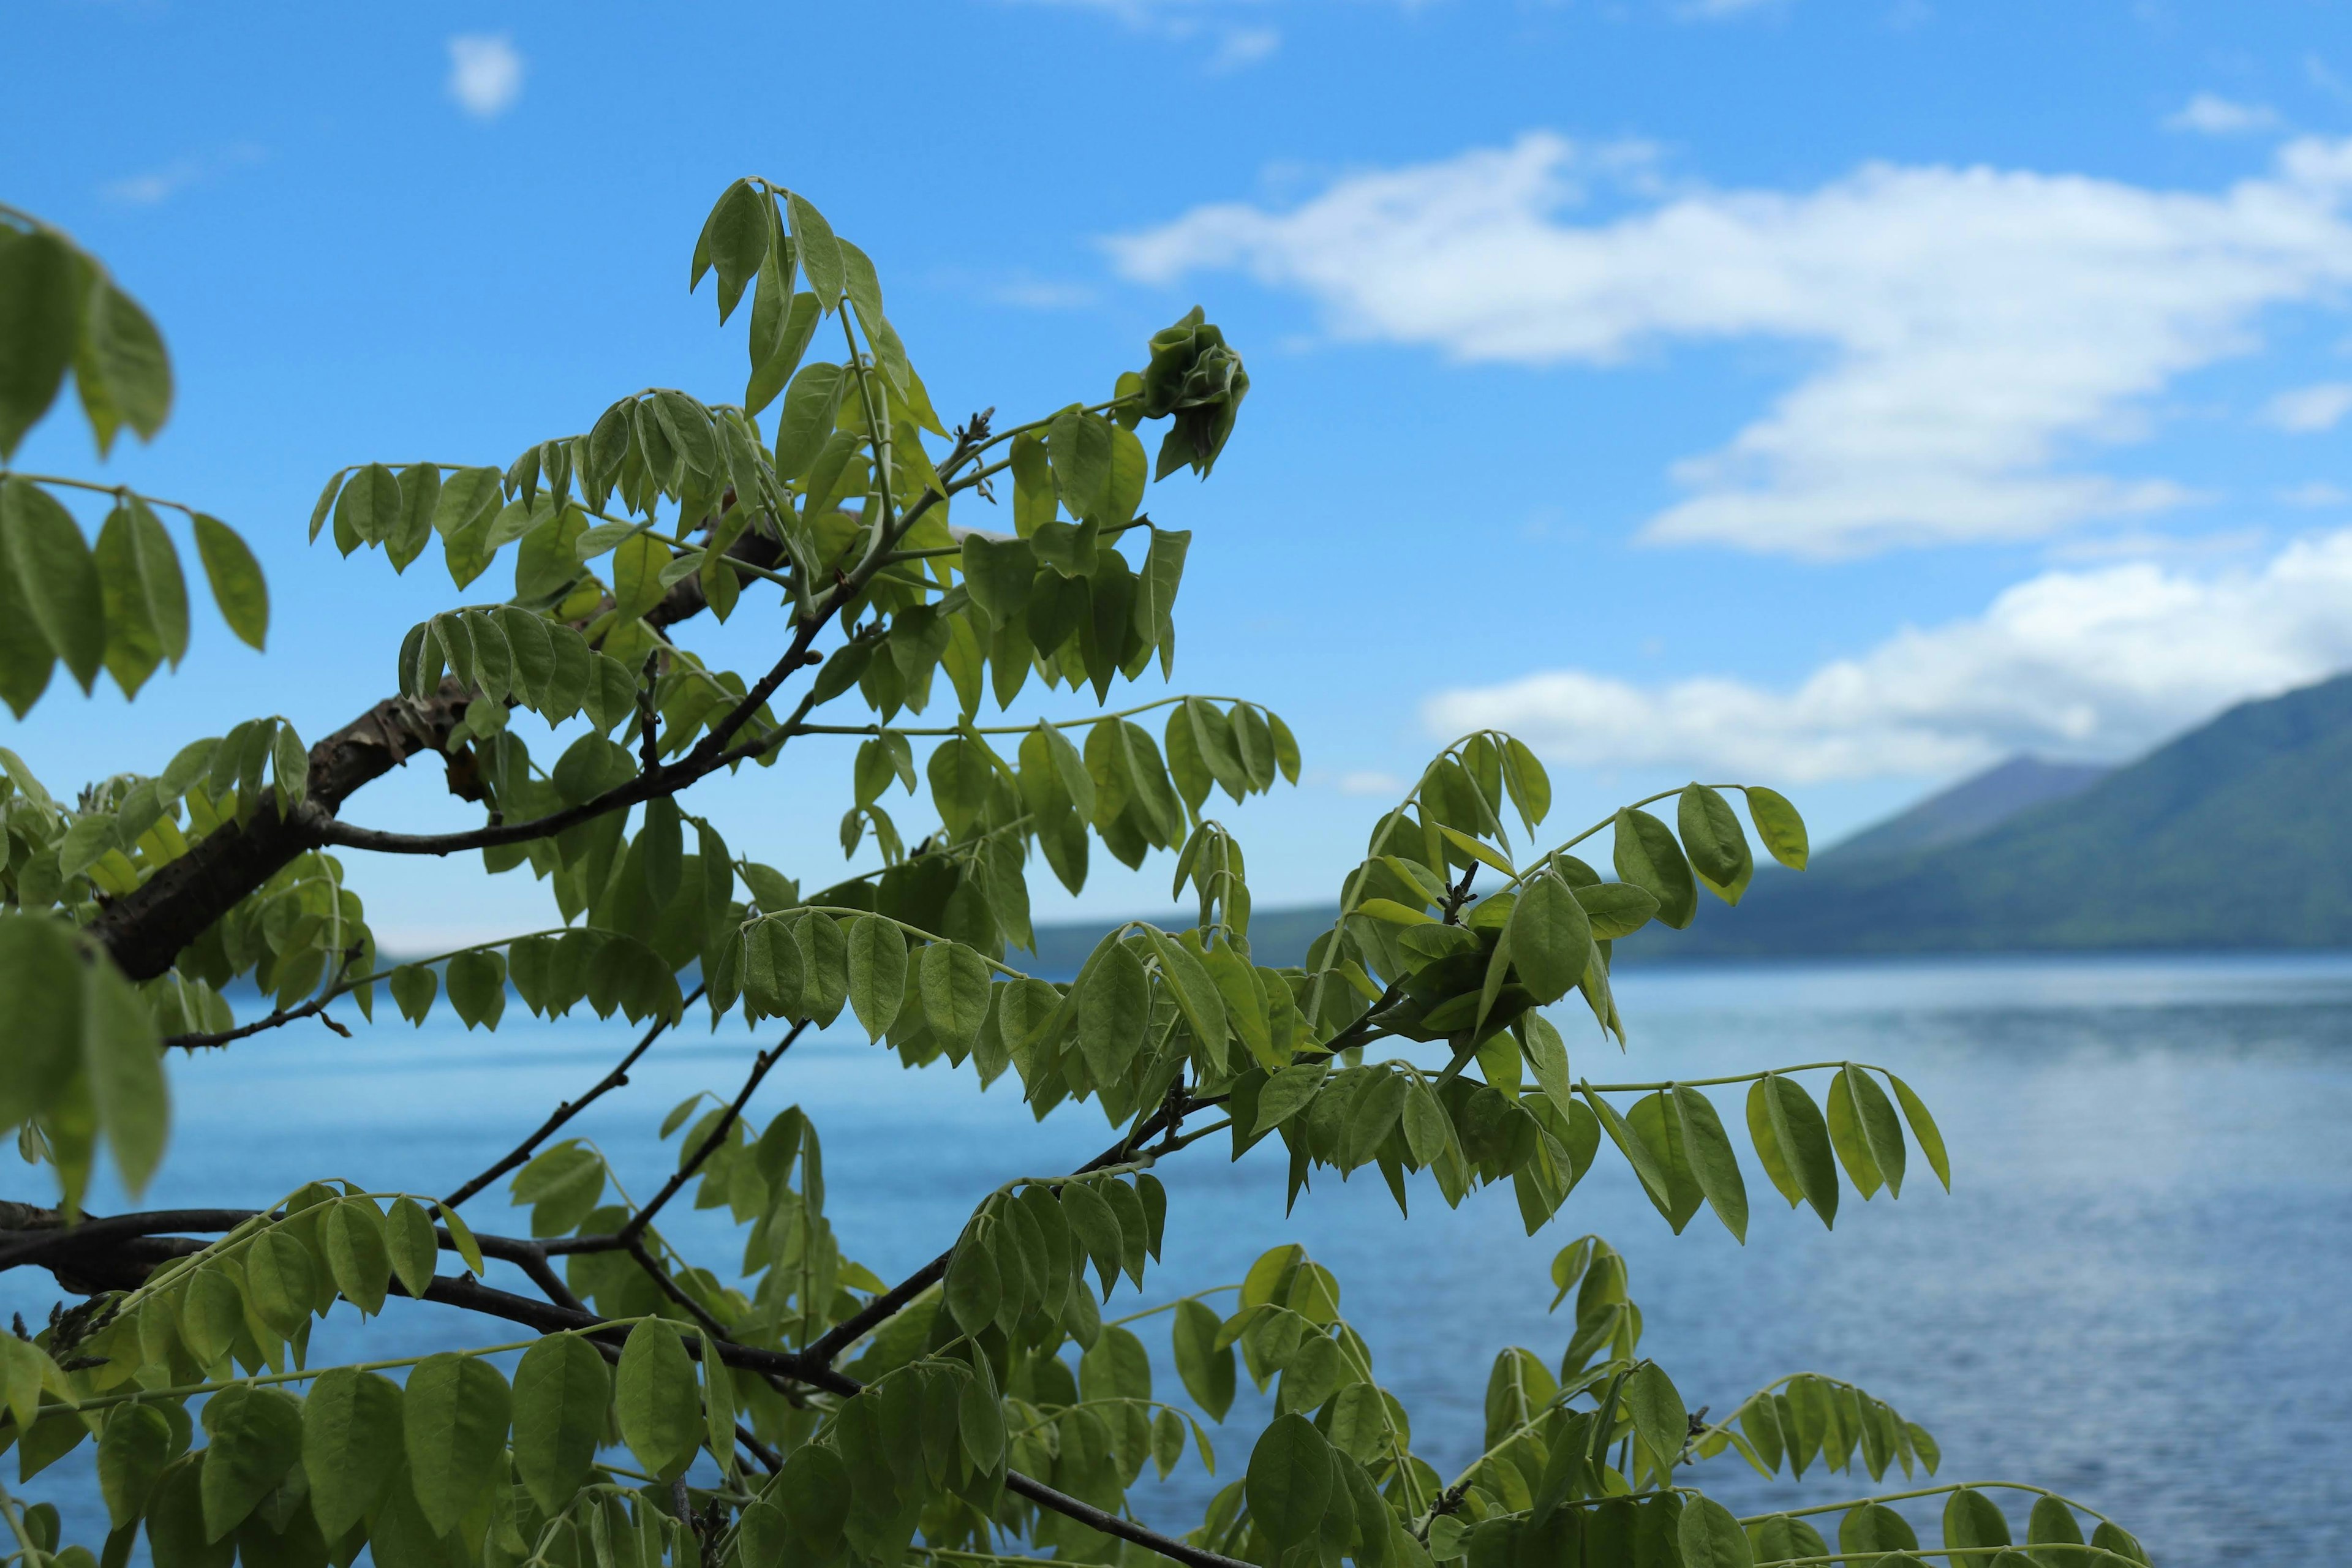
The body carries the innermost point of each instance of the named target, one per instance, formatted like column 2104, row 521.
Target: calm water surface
column 2135, row 1293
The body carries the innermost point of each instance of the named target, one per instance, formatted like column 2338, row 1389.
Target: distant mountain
column 2235, row 835
column 1973, row 806
column 1278, row 937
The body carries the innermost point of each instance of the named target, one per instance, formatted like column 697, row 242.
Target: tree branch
column 145, row 929
column 628, row 1234
column 460, row 1291
column 827, row 1347
column 618, row 1077
column 709, row 754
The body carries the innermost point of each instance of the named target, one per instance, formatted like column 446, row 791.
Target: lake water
column 2137, row 1292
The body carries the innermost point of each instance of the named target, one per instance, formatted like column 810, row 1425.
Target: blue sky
column 1835, row 396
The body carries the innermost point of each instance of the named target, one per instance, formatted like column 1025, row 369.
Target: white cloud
column 2307, row 410
column 484, row 73
column 2094, row 663
column 2317, row 493
column 1242, row 47
column 1983, row 327
column 161, row 184
column 2209, row 114
column 1369, row 782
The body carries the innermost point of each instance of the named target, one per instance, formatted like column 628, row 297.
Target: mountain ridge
column 2229, row 835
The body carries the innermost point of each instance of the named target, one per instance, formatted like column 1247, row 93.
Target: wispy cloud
column 149, row 187
column 2314, row 493
column 1242, row 47
column 2209, row 114
column 1370, row 783
column 2307, row 410
column 2097, row 663
column 1043, row 294
column 484, row 73
column 1233, row 43
column 1984, row 327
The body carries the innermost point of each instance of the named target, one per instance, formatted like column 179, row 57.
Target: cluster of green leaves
column 988, row 1409
column 453, row 1458
column 120, row 606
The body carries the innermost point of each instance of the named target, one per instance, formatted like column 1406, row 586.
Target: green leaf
column 1550, row 937
column 998, row 573
column 1717, row 844
column 1973, row 1520
column 414, row 986
column 951, row 983
column 134, row 647
column 687, row 424
column 1874, row 1527
column 1799, row 1136
column 974, row 1284
column 813, row 1488
column 166, row 591
column 1206, row 1369
column 1659, row 1129
column 819, row 251
column 636, row 574
column 131, row 1453
column 1616, row 908
column 1289, row 1481
column 477, row 987
column 236, row 579
column 2052, row 1523
column 454, row 1428
column 736, row 240
column 659, row 1408
column 979, row 1423
column 1713, row 1163
column 368, row 510
column 414, row 1249
column 211, row 1312
column 1778, row 826
column 1924, row 1128
column 39, row 313
column 1846, row 1137
column 1645, row 854
column 352, row 1445
column 2110, row 1536
column 1660, row 1417
column 560, row 1394
column 123, row 349
column 1546, row 1056
column 1880, row 1130
column 785, row 344
column 43, row 998
column 1630, row 1144
column 256, row 1436
column 52, row 571
column 804, row 423
column 1710, row 1537
column 1080, row 447
column 281, row 1283
column 1113, row 1003
column 878, row 972
column 121, row 1058
column 352, row 1235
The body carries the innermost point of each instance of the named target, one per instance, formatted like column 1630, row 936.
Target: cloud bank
column 2097, row 663
column 1983, row 328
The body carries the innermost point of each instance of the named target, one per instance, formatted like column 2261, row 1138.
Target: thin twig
column 627, row 1235
column 315, row 1007
column 618, row 1077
